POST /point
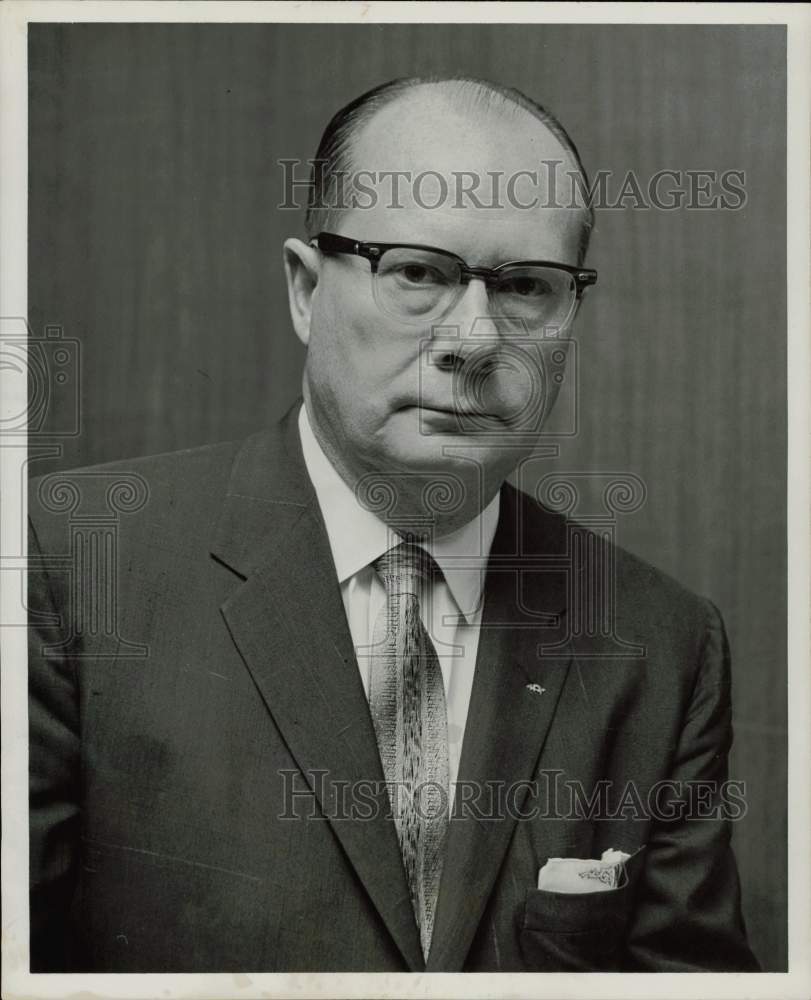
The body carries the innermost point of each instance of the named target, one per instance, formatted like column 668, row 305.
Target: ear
column 302, row 265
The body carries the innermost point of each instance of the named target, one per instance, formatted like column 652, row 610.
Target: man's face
column 457, row 392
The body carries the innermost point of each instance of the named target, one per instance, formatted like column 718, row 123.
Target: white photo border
column 15, row 15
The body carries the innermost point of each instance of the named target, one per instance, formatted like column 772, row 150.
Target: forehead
column 462, row 177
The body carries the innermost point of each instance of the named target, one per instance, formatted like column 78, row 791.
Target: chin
column 416, row 454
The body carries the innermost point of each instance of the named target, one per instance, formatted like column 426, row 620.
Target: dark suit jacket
column 196, row 704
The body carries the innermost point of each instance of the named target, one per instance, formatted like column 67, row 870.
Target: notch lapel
column 507, row 722
column 287, row 620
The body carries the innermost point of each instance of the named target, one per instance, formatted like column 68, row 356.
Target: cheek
column 351, row 346
column 334, row 342
column 342, row 322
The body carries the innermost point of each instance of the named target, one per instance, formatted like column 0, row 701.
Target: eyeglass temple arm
column 330, row 243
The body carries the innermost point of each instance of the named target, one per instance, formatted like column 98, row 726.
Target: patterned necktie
column 407, row 702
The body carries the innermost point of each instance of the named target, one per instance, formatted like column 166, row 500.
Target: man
column 299, row 708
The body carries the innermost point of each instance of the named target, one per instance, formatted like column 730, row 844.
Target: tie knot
column 404, row 567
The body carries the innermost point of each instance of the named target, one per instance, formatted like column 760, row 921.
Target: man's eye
column 419, row 274
column 525, row 287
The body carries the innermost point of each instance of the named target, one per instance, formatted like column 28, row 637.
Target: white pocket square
column 584, row 874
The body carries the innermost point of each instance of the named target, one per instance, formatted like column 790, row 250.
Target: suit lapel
column 288, row 622
column 514, row 697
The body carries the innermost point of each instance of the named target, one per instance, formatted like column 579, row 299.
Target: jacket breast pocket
column 578, row 932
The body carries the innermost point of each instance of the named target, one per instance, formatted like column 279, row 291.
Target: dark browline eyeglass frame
column 373, row 252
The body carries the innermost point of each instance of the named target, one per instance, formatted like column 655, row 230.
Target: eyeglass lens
column 418, row 284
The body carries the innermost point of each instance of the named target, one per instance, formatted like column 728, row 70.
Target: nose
column 467, row 328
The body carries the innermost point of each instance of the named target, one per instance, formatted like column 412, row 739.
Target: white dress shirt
column 451, row 613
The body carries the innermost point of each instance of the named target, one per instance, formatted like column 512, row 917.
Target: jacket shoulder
column 170, row 489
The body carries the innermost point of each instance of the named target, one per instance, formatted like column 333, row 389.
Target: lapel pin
column 535, row 688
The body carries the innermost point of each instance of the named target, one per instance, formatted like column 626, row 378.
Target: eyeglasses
column 415, row 283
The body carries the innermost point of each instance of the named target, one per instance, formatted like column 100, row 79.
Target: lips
column 461, row 413
column 450, row 410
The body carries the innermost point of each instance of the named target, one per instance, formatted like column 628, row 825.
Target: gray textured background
column 155, row 241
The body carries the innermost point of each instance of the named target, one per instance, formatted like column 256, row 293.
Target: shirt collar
column 357, row 536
